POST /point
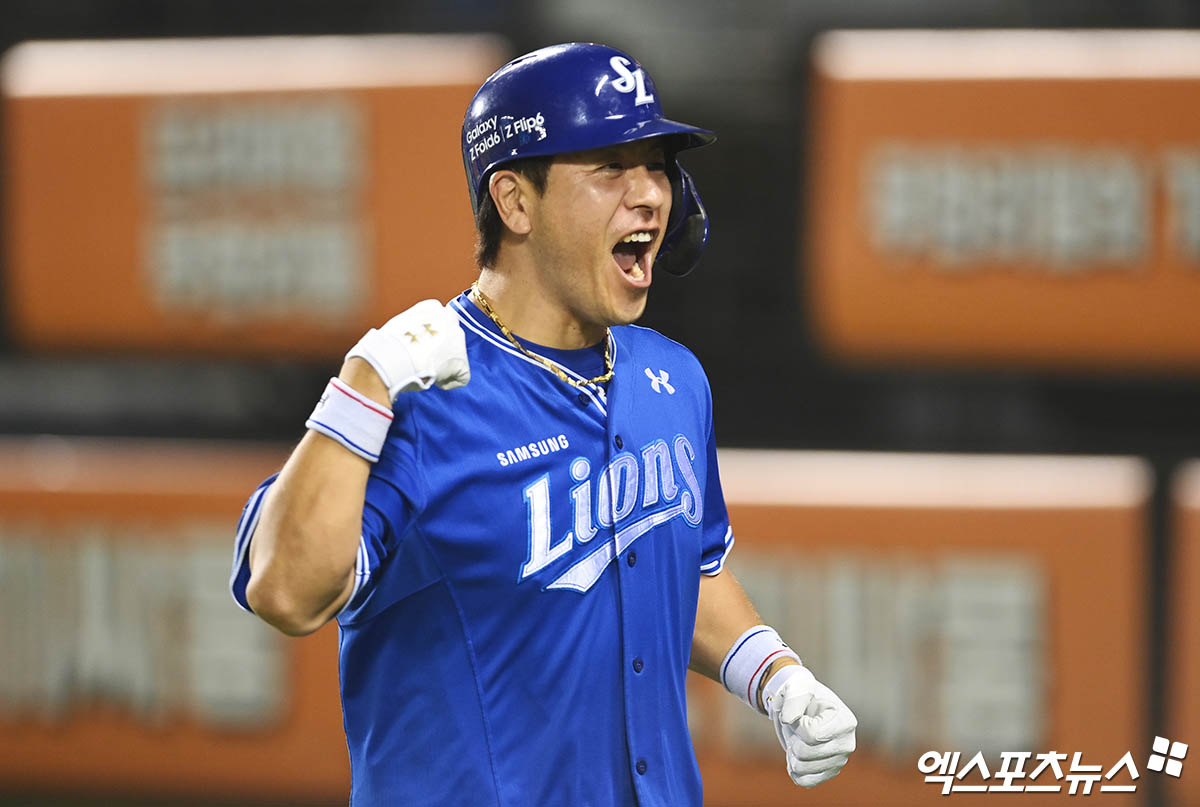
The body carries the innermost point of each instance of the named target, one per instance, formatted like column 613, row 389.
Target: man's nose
column 648, row 188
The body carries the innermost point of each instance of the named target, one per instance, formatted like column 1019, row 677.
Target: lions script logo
column 664, row 475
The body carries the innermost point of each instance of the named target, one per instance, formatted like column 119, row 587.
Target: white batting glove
column 814, row 727
column 416, row 349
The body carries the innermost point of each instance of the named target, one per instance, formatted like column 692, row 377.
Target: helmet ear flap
column 687, row 225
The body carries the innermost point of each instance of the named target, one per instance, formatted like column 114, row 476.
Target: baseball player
column 510, row 503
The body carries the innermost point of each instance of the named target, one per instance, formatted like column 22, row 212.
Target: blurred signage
column 257, row 209
column 1014, row 197
column 973, row 604
column 1183, row 639
column 970, row 604
column 240, row 197
column 126, row 667
column 133, row 620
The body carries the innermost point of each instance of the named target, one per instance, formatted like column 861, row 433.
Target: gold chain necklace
column 486, row 305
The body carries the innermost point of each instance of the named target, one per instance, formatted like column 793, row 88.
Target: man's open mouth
column 632, row 253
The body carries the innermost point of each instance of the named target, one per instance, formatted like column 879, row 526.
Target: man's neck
column 528, row 313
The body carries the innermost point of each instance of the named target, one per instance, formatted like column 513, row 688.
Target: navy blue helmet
column 575, row 97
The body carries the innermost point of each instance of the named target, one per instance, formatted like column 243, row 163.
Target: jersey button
column 618, row 442
column 582, row 398
column 631, row 558
column 638, row 665
column 641, row 766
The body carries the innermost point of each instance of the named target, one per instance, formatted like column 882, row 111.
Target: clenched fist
column 814, row 727
column 416, row 349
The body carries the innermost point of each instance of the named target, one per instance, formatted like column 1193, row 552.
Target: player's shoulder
column 473, row 322
column 642, row 336
column 646, row 344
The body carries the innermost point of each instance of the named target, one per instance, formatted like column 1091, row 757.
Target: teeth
column 637, row 238
column 636, row 272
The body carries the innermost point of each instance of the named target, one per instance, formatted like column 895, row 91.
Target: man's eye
column 657, row 167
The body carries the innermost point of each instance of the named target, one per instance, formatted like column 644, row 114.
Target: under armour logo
column 412, row 337
column 659, row 382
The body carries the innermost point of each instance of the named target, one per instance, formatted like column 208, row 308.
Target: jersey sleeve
column 240, row 577
column 717, row 534
column 387, row 514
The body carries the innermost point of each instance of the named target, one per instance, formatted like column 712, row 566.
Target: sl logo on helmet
column 630, row 80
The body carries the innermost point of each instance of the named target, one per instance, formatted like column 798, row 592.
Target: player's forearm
column 303, row 552
column 723, row 613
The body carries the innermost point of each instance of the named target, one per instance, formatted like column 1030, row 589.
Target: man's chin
column 631, row 311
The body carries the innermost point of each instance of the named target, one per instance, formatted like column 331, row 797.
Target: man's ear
column 512, row 194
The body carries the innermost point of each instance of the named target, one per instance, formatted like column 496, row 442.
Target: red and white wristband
column 346, row 415
column 748, row 660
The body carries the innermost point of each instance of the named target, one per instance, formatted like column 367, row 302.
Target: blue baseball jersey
column 521, row 622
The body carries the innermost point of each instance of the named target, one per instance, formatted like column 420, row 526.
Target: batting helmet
column 575, row 97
